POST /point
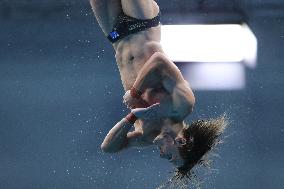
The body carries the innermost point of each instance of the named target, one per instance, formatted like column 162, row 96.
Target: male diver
column 156, row 92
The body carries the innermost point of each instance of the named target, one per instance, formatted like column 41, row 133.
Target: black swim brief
column 127, row 25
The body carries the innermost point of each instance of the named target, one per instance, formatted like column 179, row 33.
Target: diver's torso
column 133, row 51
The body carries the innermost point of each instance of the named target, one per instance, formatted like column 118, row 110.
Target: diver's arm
column 119, row 137
column 116, row 137
column 159, row 69
column 183, row 100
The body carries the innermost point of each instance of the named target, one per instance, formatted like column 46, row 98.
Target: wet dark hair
column 202, row 136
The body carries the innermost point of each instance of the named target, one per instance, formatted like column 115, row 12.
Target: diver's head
column 185, row 145
column 200, row 137
column 169, row 146
column 169, row 141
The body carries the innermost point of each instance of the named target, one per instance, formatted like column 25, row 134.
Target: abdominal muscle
column 133, row 51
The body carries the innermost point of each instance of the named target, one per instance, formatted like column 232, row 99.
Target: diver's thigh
column 106, row 12
column 141, row 9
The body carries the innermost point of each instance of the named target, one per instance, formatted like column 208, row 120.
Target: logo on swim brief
column 114, row 34
column 135, row 26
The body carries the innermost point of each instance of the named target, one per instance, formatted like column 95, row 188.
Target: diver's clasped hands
column 132, row 102
column 139, row 107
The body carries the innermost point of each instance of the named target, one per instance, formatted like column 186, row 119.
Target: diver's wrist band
column 135, row 93
column 131, row 118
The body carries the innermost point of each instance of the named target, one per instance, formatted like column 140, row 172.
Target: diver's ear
column 180, row 141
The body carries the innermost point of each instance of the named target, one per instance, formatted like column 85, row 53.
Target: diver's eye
column 180, row 141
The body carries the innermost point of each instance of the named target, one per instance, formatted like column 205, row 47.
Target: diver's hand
column 150, row 113
column 132, row 102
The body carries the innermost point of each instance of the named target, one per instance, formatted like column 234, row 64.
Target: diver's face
column 169, row 149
